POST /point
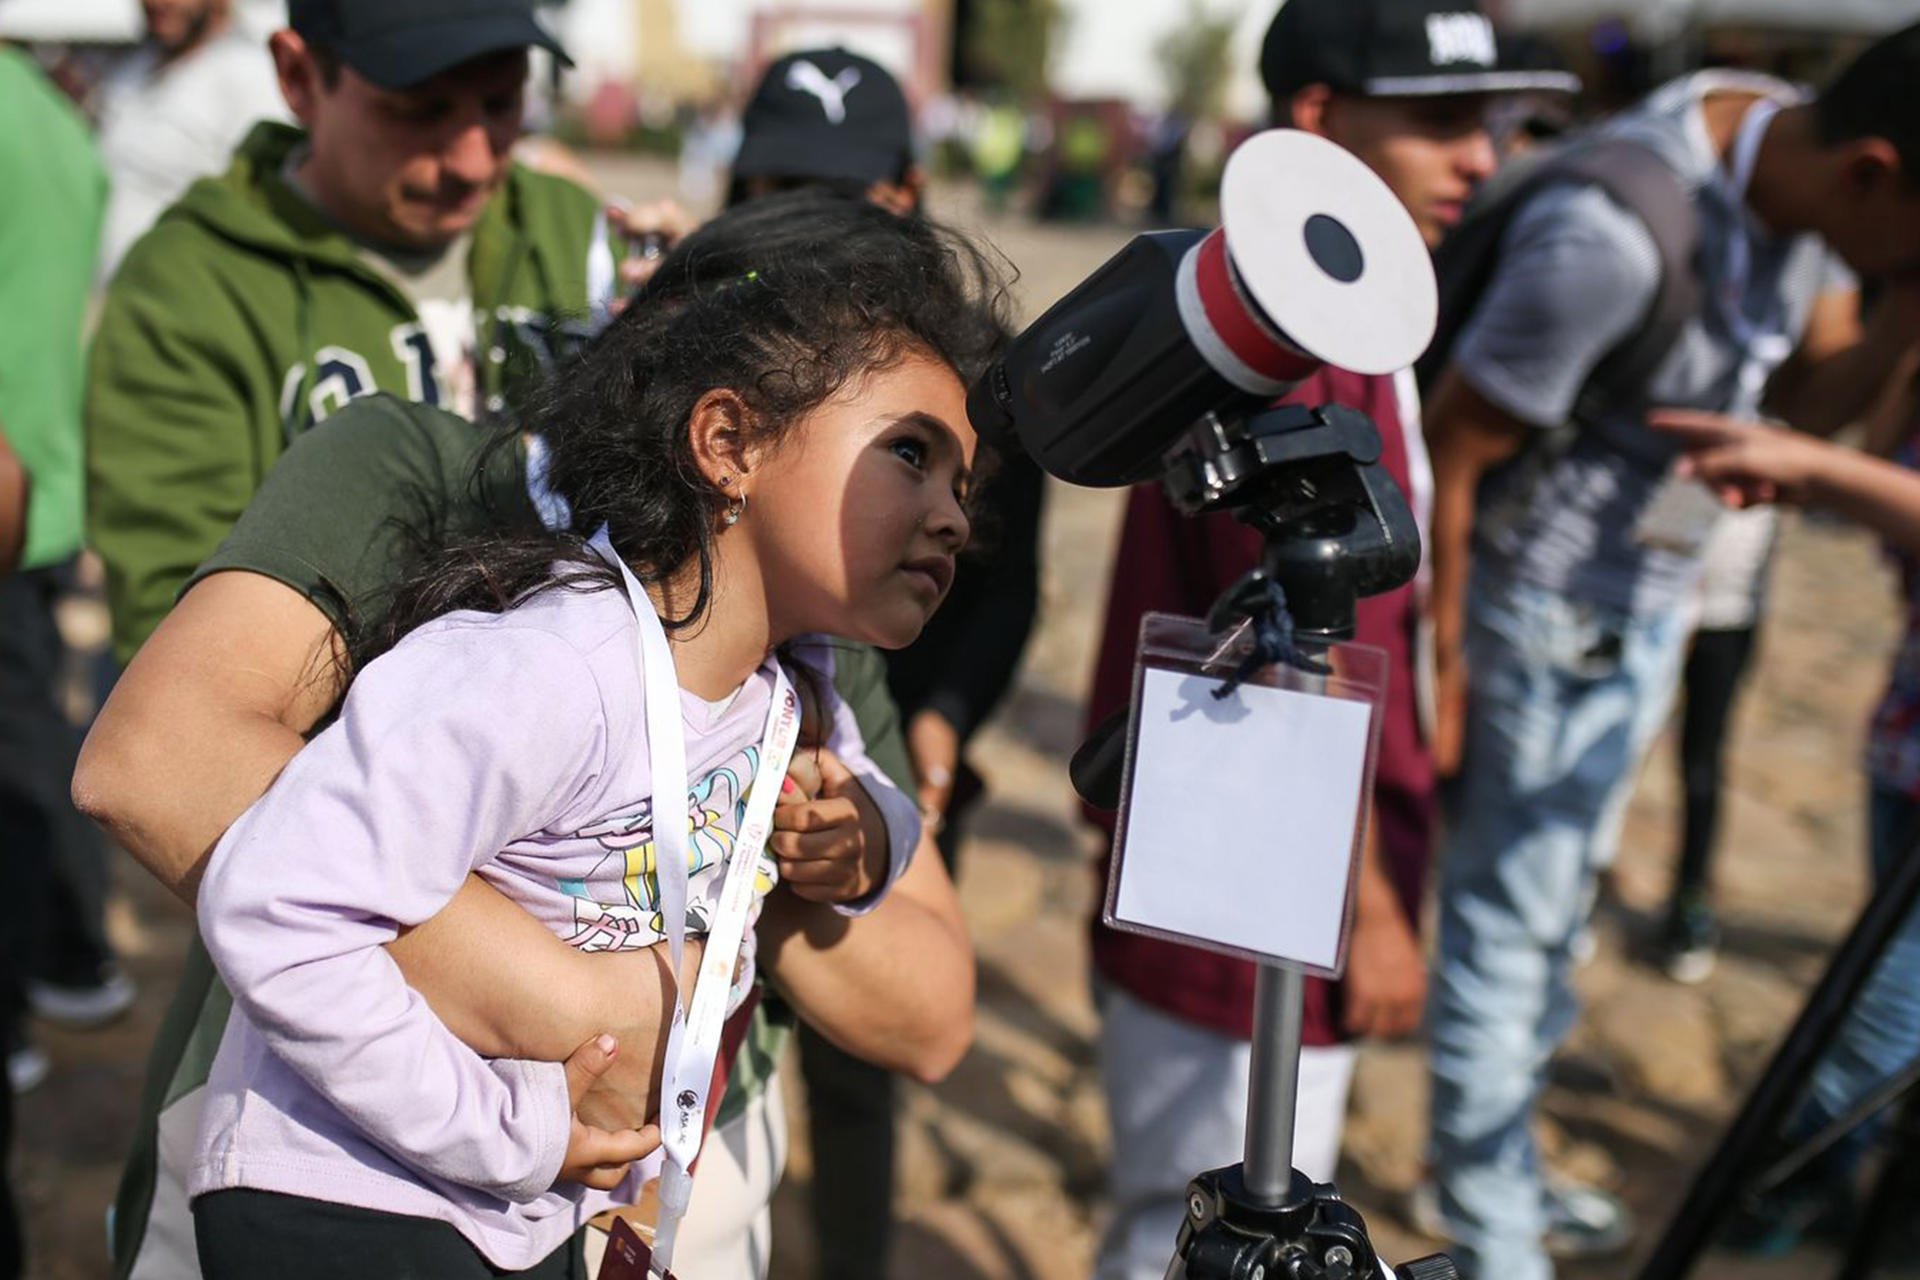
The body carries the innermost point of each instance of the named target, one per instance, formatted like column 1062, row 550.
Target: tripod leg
column 1895, row 1186
column 1762, row 1118
column 1837, row 1131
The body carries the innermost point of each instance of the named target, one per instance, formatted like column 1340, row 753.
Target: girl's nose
column 948, row 522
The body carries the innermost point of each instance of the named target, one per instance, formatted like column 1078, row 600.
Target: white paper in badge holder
column 1242, row 819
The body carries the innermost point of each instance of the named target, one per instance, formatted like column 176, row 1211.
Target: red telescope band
column 1227, row 327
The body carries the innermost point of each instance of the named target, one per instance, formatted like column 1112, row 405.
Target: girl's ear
column 719, row 431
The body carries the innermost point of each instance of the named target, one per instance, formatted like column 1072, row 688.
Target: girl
column 770, row 443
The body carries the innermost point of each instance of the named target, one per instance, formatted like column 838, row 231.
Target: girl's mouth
column 937, row 570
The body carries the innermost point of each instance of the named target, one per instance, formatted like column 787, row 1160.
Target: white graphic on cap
column 807, row 78
column 1459, row 37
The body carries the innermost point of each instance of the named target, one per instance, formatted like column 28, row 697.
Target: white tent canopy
column 1868, row 16
column 111, row 21
column 78, row 21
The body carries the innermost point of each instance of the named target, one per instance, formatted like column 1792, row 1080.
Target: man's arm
column 894, row 986
column 1385, row 988
column 1841, row 368
column 14, row 492
column 1467, row 435
column 1576, row 274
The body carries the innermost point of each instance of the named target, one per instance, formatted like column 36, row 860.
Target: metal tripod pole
column 1274, row 1087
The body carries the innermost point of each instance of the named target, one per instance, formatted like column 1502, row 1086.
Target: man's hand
column 617, row 1098
column 650, row 230
column 597, row 1157
column 934, row 745
column 1386, row 983
column 828, row 836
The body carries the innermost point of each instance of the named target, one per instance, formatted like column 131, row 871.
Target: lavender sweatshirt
column 512, row 745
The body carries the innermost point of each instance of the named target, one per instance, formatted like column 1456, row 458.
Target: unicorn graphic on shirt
column 616, row 907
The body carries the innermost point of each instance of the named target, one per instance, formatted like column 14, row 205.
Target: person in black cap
column 1405, row 85
column 828, row 118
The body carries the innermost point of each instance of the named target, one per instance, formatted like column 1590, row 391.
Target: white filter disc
column 1328, row 251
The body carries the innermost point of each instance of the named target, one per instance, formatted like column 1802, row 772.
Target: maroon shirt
column 1171, row 563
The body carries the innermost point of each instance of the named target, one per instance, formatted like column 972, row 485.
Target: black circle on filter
column 1333, row 248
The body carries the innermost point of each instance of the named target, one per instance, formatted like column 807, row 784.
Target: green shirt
column 56, row 195
column 336, row 520
column 244, row 316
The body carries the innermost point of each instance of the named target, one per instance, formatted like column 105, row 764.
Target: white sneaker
column 1580, row 1221
column 1584, row 947
column 1585, row 1222
column 27, row 1069
column 1423, row 1211
column 82, row 1008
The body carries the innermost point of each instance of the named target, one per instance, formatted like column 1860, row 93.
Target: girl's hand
column 598, row 1158
column 1745, row 463
column 828, row 836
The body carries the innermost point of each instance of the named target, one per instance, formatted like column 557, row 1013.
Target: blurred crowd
column 274, row 319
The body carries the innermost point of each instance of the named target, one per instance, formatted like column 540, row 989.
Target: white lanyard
column 693, row 1044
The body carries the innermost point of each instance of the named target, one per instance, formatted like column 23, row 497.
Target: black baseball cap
column 1394, row 49
column 401, row 43
column 826, row 114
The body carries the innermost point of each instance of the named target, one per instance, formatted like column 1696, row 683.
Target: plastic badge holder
column 1242, row 818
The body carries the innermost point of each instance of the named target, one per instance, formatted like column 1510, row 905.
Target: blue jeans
column 1881, row 1034
column 1564, row 698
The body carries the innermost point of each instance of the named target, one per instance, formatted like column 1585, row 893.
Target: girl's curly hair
column 783, row 301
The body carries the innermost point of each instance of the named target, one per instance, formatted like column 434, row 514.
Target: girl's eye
column 910, row 451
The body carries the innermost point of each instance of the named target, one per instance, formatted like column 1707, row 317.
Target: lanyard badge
column 693, row 1043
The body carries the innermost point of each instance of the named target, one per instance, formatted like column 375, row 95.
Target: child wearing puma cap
column 826, row 117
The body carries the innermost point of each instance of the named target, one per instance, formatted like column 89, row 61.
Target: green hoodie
column 243, row 317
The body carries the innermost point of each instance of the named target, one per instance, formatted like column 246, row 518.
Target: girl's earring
column 735, row 509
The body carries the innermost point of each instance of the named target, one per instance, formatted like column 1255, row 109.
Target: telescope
column 1164, row 365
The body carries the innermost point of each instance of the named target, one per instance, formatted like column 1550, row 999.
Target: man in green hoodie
column 390, row 244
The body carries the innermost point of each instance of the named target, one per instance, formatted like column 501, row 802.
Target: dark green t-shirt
column 336, row 520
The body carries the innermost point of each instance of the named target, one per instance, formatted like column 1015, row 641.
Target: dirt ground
column 1002, row 1169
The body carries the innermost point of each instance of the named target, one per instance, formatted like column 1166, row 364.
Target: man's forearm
column 1825, row 395
column 203, row 720
column 1456, row 483
column 508, row 987
column 1467, row 436
column 14, row 493
column 895, row 986
column 1374, row 897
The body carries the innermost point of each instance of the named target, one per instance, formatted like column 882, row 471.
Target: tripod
column 1334, row 528
column 1749, row 1141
